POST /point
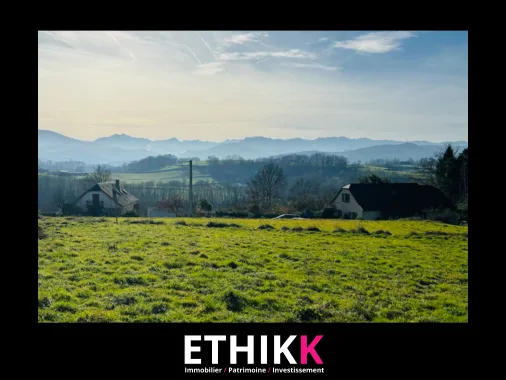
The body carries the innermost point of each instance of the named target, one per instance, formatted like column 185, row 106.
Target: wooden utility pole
column 191, row 189
column 115, row 198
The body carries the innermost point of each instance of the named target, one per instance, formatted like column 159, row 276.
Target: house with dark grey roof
column 372, row 201
column 107, row 198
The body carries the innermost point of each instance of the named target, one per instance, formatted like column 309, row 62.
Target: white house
column 372, row 201
column 107, row 198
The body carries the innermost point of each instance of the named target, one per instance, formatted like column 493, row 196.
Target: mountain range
column 120, row 148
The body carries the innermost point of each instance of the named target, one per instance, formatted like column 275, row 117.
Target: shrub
column 265, row 227
column 463, row 211
column 313, row 228
column 181, row 223
column 204, row 205
column 329, row 213
column 297, row 229
column 232, row 214
column 339, row 229
column 70, row 209
column 447, row 217
column 131, row 214
column 285, row 228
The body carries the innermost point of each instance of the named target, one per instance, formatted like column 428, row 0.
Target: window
column 339, row 213
column 96, row 198
column 346, row 198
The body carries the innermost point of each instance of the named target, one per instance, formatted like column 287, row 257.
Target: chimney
column 117, row 185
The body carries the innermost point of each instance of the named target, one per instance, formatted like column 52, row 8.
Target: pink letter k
column 304, row 349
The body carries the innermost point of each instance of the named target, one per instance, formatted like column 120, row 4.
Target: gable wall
column 346, row 207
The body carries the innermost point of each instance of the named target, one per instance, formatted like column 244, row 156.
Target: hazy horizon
column 252, row 136
column 217, row 86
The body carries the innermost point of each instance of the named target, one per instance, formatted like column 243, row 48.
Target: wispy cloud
column 293, row 53
column 206, row 44
column 193, row 54
column 128, row 51
column 243, row 38
column 315, row 66
column 191, row 85
column 318, row 41
column 210, row 68
column 377, row 42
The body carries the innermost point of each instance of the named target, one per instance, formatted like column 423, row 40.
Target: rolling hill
column 120, row 148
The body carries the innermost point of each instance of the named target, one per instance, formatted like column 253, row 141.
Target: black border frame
column 336, row 332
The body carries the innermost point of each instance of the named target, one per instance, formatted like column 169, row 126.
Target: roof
column 397, row 198
column 123, row 197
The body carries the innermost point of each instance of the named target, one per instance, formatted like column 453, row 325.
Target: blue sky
column 217, row 85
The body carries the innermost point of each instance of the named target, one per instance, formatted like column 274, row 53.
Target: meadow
column 169, row 173
column 240, row 270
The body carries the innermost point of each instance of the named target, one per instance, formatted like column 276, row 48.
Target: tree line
column 448, row 171
column 270, row 185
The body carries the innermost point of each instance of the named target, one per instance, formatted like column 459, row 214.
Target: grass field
column 170, row 173
column 173, row 174
column 94, row 270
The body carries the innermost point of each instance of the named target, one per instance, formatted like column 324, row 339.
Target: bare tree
column 59, row 197
column 266, row 186
column 173, row 203
column 101, row 174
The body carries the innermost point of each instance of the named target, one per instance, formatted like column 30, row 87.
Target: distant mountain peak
column 122, row 137
column 122, row 147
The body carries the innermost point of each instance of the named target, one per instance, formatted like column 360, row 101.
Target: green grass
column 94, row 270
column 170, row 173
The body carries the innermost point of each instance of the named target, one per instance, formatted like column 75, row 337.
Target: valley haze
column 121, row 148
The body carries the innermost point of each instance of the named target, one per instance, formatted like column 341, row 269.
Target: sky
column 219, row 85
